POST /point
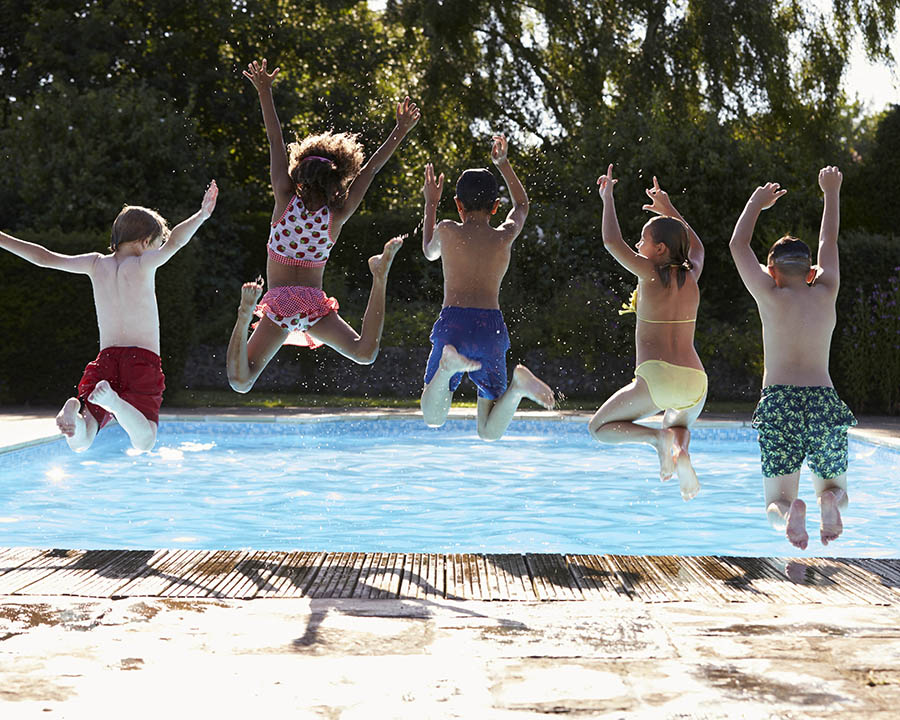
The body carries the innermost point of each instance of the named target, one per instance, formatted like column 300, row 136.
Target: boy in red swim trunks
column 126, row 380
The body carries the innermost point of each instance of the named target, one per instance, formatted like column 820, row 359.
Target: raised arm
column 612, row 234
column 515, row 219
column 754, row 275
column 183, row 231
column 282, row 185
column 661, row 204
column 407, row 117
column 830, row 181
column 42, row 257
column 431, row 237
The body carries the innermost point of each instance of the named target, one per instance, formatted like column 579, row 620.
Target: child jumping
column 126, row 380
column 799, row 414
column 669, row 376
column 318, row 184
column 470, row 335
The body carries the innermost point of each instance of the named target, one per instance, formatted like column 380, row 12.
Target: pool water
column 398, row 486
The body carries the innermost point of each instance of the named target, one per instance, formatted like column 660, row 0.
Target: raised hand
column 659, row 200
column 209, row 200
column 432, row 188
column 765, row 195
column 830, row 179
column 408, row 115
column 499, row 149
column 607, row 183
column 259, row 75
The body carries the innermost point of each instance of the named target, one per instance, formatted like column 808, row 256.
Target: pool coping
column 19, row 430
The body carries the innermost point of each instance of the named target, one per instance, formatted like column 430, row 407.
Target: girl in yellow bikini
column 669, row 376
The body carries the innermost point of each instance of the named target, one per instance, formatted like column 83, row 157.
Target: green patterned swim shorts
column 796, row 422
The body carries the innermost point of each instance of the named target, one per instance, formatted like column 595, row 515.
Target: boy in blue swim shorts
column 470, row 335
column 799, row 415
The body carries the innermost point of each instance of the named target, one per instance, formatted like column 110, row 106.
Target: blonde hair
column 326, row 163
column 134, row 224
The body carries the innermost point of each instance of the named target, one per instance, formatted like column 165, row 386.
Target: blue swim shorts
column 478, row 334
column 796, row 422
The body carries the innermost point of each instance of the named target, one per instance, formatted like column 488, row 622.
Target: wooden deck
column 513, row 577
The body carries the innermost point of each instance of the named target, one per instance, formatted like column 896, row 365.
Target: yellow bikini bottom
column 672, row 387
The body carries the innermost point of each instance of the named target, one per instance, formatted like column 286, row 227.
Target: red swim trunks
column 134, row 373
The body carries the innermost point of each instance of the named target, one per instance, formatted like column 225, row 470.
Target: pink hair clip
column 317, row 157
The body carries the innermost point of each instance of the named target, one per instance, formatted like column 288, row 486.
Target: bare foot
column 687, row 478
column 104, row 396
column 381, row 264
column 832, row 525
column 665, row 448
column 68, row 416
column 453, row 362
column 250, row 295
column 796, row 525
column 533, row 387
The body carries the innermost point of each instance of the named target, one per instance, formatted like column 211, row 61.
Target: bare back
column 798, row 322
column 662, row 332
column 475, row 259
column 125, row 300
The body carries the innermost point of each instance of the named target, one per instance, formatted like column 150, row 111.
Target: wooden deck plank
column 298, row 573
column 412, row 576
column 118, row 573
column 251, row 576
column 731, row 582
column 162, row 573
column 45, row 564
column 89, row 565
column 13, row 558
column 551, row 577
column 854, row 581
column 200, row 578
column 458, row 576
column 641, row 582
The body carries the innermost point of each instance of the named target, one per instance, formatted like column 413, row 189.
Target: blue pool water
column 396, row 485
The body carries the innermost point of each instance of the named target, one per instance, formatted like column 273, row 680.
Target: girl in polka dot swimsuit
column 318, row 184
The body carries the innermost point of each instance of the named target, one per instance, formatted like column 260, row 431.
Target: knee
column 239, row 384
column 144, row 444
column 365, row 356
column 594, row 425
column 487, row 436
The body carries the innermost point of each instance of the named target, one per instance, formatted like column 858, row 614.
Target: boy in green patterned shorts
column 799, row 414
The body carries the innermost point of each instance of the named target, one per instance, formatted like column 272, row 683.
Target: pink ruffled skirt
column 296, row 308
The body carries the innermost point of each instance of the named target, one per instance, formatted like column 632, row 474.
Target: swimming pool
column 397, row 486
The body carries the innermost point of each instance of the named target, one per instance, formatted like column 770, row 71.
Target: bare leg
column 246, row 359
column 141, row 430
column 680, row 421
column 784, row 510
column 832, row 496
column 80, row 430
column 437, row 396
column 363, row 347
column 494, row 416
column 613, row 423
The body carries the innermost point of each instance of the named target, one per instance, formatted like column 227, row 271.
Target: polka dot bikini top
column 301, row 237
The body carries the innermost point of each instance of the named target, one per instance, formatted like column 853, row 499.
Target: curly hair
column 672, row 233
column 326, row 163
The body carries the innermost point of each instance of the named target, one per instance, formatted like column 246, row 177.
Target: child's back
column 798, row 321
column 475, row 258
column 125, row 300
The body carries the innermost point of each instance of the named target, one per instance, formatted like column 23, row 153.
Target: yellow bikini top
column 631, row 307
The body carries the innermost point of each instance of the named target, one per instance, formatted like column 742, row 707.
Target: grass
column 267, row 400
